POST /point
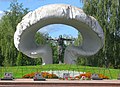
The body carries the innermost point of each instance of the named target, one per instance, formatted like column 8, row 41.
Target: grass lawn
column 19, row 71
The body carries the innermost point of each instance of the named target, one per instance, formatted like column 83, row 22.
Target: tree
column 8, row 25
column 107, row 12
column 40, row 38
column 19, row 59
column 78, row 41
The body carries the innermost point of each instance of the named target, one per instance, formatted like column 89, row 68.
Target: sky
column 53, row 30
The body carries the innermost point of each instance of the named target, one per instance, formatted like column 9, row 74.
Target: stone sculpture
column 90, row 29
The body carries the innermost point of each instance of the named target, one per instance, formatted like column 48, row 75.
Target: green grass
column 19, row 71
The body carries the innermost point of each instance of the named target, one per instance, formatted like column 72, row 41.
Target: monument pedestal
column 7, row 76
column 38, row 77
column 7, row 79
column 95, row 77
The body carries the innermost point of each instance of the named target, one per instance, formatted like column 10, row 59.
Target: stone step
column 60, row 83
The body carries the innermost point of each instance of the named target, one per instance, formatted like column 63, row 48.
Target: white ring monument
column 88, row 26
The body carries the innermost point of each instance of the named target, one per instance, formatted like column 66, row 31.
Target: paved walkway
column 60, row 83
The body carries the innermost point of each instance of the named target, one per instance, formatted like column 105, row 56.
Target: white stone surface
column 90, row 29
column 59, row 73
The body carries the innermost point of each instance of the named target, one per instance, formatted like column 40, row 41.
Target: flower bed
column 84, row 76
column 30, row 75
column 44, row 75
column 88, row 76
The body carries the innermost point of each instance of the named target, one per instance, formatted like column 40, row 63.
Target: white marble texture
column 89, row 27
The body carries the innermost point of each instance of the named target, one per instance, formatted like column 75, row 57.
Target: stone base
column 39, row 79
column 97, row 79
column 7, row 79
column 118, row 78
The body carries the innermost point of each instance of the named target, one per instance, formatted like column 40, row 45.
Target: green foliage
column 41, row 38
column 55, row 54
column 19, row 59
column 78, row 41
column 107, row 12
column 8, row 25
column 9, row 56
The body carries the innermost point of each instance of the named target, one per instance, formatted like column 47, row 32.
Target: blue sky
column 53, row 30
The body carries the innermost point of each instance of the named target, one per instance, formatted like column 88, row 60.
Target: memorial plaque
column 66, row 75
column 8, row 76
column 95, row 77
column 38, row 77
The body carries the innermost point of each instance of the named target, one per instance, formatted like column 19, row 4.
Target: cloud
column 1, row 14
column 49, row 28
column 54, row 30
